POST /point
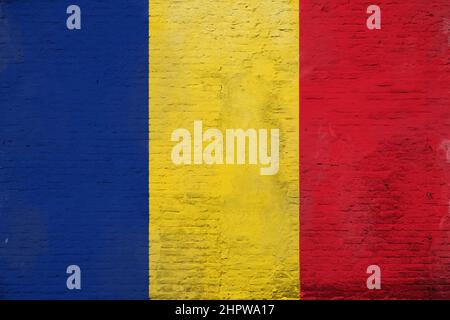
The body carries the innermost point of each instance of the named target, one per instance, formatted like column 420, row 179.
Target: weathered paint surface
column 374, row 170
column 73, row 150
column 223, row 231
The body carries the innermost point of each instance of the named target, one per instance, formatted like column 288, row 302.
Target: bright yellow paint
column 223, row 232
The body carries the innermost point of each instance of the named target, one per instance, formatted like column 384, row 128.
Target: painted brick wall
column 73, row 150
column 223, row 231
column 374, row 149
column 374, row 161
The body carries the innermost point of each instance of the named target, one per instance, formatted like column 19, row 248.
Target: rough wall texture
column 223, row 231
column 374, row 164
column 374, row 149
column 73, row 150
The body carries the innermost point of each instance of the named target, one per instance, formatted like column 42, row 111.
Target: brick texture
column 73, row 150
column 223, row 231
column 374, row 161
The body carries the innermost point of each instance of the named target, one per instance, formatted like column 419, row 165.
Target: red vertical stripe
column 375, row 149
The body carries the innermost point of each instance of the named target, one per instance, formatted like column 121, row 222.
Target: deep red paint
column 375, row 149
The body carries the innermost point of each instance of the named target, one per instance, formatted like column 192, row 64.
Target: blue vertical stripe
column 74, row 149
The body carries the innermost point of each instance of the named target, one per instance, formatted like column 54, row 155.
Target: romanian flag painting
column 224, row 150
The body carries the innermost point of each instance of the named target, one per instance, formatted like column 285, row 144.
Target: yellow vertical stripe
column 223, row 231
